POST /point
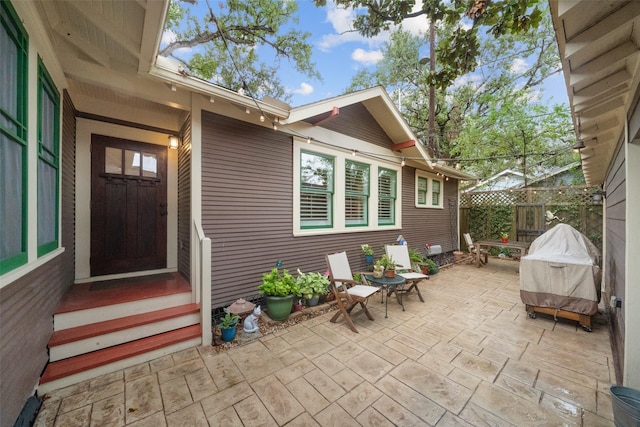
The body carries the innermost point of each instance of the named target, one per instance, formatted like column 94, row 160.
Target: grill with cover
column 561, row 276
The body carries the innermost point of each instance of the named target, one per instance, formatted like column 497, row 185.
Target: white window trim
column 339, row 223
column 430, row 178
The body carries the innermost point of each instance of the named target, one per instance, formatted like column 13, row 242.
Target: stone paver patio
column 468, row 356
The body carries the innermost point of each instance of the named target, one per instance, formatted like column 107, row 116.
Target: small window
column 386, row 196
column 316, row 190
column 356, row 193
column 422, row 190
column 435, row 193
column 428, row 190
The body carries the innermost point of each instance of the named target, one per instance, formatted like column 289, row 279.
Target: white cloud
column 519, row 65
column 341, row 19
column 168, row 36
column 304, row 89
column 367, row 58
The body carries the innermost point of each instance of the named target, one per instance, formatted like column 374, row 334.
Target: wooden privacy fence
column 525, row 213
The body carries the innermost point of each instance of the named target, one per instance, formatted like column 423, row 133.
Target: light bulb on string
column 403, row 162
column 308, row 140
column 262, row 117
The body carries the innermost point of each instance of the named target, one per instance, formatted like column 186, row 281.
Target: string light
column 275, row 126
column 403, row 162
column 308, row 140
column 353, row 152
column 262, row 117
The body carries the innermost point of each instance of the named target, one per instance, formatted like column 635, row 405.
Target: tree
column 235, row 41
column 457, row 51
column 494, row 114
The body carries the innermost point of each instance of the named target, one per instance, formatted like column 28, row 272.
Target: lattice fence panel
column 573, row 205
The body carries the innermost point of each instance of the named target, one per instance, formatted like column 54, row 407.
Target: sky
column 339, row 54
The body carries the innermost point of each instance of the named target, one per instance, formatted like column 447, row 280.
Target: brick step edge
column 65, row 336
column 85, row 362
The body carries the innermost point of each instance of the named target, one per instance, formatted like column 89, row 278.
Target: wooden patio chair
column 472, row 250
column 400, row 254
column 347, row 291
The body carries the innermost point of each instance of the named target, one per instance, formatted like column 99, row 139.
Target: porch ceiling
column 599, row 45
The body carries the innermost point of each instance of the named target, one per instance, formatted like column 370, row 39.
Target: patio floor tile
column 468, row 356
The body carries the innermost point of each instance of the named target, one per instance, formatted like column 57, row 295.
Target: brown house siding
column 68, row 154
column 615, row 280
column 184, row 201
column 247, row 211
column 26, row 324
column 356, row 121
column 434, row 226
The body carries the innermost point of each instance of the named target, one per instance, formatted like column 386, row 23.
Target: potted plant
column 505, row 237
column 228, row 325
column 416, row 259
column 312, row 286
column 378, row 269
column 389, row 265
column 279, row 290
column 367, row 250
column 432, row 266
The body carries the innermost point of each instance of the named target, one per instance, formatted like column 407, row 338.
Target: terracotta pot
column 390, row 273
column 505, row 240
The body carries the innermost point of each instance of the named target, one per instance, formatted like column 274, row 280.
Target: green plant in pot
column 432, row 266
column 367, row 250
column 312, row 286
column 389, row 265
column 279, row 290
column 416, row 259
column 228, row 325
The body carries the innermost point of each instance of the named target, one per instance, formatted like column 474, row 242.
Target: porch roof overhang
column 599, row 44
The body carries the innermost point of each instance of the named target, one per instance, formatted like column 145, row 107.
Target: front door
column 128, row 206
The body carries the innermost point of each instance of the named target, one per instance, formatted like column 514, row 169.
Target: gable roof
column 378, row 103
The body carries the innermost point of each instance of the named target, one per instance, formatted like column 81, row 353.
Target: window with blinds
column 14, row 45
column 316, row 190
column 356, row 194
column 386, row 196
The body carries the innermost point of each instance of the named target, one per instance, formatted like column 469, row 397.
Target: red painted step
column 85, row 362
column 78, row 333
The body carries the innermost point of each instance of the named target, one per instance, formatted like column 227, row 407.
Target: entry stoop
column 103, row 327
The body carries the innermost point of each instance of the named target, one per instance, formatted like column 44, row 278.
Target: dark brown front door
column 128, row 206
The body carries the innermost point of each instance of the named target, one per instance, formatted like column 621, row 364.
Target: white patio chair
column 400, row 254
column 347, row 291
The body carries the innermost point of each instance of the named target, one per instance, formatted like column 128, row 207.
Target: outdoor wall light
column 598, row 195
column 579, row 145
column 174, row 142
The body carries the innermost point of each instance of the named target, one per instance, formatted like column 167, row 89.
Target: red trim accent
column 320, row 118
column 400, row 145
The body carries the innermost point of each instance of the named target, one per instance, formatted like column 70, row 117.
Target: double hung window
column 428, row 190
column 316, row 190
column 48, row 161
column 387, row 190
column 13, row 139
column 356, row 193
column 335, row 192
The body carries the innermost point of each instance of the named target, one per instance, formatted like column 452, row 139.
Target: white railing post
column 202, row 285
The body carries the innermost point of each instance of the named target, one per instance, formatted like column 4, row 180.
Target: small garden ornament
column 251, row 321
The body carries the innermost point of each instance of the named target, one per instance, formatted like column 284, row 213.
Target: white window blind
column 356, row 193
column 316, row 190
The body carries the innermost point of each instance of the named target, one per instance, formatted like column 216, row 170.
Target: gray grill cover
column 561, row 271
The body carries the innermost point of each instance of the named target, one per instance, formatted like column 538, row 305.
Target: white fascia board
column 319, row 107
column 167, row 70
column 154, row 20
